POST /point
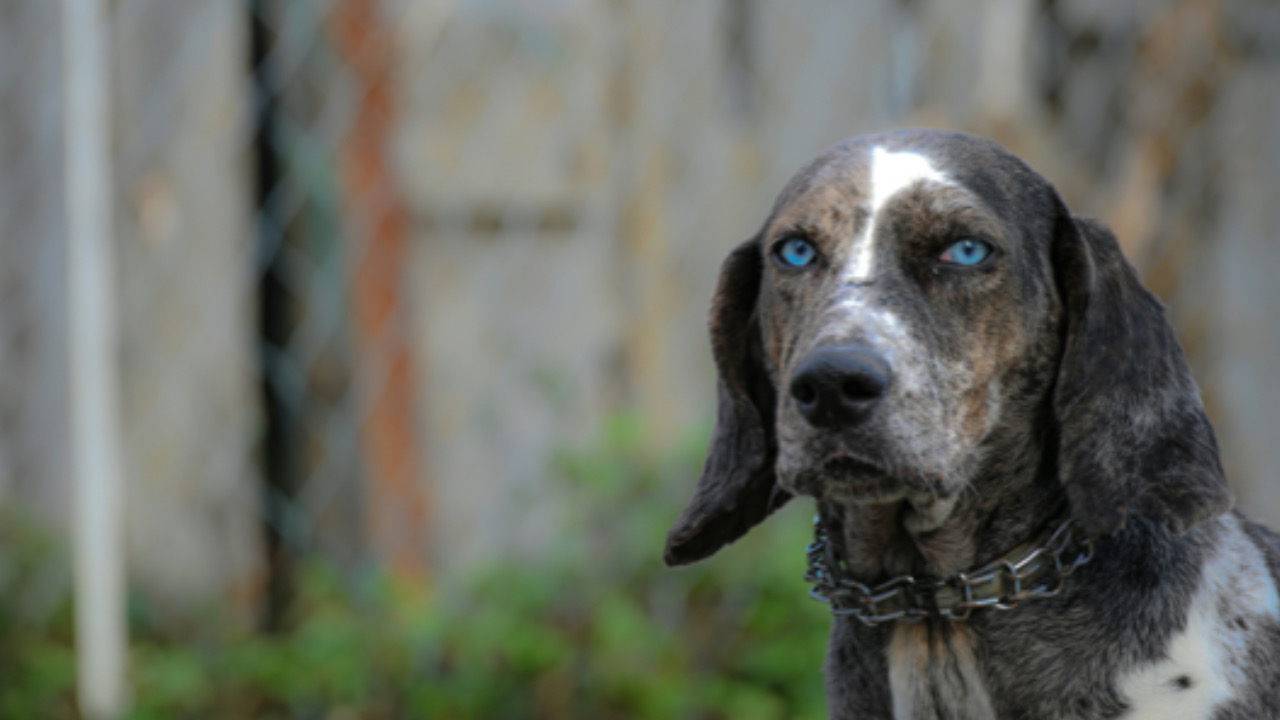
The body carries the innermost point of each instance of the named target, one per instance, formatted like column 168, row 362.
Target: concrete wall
column 33, row 414
column 186, row 294
column 574, row 172
column 577, row 172
column 184, row 289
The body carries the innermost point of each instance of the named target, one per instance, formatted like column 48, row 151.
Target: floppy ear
column 1133, row 432
column 737, row 488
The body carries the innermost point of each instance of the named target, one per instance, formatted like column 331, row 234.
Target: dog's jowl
column 1021, row 509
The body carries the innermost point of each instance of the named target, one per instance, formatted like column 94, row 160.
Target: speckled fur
column 1044, row 379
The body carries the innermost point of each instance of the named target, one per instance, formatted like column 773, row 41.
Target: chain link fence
column 378, row 260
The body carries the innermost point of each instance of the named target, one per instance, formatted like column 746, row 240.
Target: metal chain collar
column 1023, row 574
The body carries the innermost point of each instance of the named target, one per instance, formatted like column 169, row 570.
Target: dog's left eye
column 796, row 252
column 966, row 252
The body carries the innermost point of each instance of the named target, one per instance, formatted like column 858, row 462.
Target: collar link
column 1028, row 572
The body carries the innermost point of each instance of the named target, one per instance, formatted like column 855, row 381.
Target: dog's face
column 905, row 315
column 921, row 312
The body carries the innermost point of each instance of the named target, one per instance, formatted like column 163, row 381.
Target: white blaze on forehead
column 891, row 173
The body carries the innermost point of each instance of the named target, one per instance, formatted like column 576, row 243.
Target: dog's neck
column 1005, row 505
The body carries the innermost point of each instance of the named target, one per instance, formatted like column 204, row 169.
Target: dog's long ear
column 737, row 488
column 1133, row 432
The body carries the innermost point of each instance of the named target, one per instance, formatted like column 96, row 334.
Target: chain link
column 1001, row 584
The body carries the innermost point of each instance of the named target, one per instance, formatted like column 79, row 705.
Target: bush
column 592, row 626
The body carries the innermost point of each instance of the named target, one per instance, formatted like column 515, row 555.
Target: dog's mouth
column 844, row 477
column 850, row 469
column 851, row 479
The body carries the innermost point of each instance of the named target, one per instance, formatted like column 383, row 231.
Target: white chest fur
column 934, row 673
column 1203, row 665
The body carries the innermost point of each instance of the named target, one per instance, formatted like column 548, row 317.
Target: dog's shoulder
column 1266, row 540
column 1223, row 660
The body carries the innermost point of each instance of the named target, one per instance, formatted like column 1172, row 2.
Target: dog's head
column 919, row 310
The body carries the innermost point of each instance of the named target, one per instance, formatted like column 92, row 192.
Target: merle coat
column 942, row 411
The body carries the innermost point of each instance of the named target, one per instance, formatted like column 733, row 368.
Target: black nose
column 838, row 386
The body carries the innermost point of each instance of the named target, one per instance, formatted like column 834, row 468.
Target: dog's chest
column 1205, row 664
column 934, row 675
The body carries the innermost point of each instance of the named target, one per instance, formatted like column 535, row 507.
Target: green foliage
column 591, row 626
column 37, row 666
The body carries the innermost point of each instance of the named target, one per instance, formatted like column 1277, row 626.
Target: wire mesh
column 378, row 260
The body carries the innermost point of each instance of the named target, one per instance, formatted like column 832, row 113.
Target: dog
column 1021, row 508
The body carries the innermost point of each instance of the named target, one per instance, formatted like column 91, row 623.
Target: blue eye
column 796, row 252
column 966, row 252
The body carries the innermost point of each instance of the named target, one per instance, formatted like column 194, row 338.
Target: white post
column 94, row 396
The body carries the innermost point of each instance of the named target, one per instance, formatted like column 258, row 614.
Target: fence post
column 398, row 510
column 92, row 345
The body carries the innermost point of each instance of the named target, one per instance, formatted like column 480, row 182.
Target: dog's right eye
column 795, row 252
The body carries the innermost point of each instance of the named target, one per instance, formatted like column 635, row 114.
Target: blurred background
column 411, row 296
